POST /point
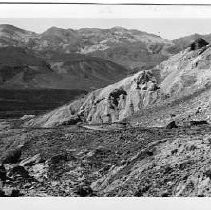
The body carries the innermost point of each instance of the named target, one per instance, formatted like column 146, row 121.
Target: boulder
column 12, row 156
column 11, row 192
column 3, row 173
column 15, row 193
column 27, row 117
column 2, row 193
column 73, row 121
column 171, row 125
column 115, row 96
column 18, row 171
column 56, row 159
column 31, row 161
column 39, row 171
column 99, row 152
column 84, row 191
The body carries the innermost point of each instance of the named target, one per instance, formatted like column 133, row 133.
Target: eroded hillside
column 178, row 86
column 112, row 103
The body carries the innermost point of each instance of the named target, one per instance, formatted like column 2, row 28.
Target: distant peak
column 8, row 26
column 118, row 28
column 54, row 28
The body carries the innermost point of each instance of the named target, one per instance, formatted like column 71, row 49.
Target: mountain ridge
column 91, row 41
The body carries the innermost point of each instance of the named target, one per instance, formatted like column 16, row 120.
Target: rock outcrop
column 187, row 71
column 12, row 156
column 110, row 104
column 171, row 125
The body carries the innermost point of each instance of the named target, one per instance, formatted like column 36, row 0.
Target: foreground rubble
column 136, row 161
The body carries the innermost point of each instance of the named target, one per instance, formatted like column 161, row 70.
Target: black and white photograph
column 102, row 100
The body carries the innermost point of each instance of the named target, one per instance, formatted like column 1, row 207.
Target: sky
column 170, row 22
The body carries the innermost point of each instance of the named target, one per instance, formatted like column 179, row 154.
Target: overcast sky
column 169, row 22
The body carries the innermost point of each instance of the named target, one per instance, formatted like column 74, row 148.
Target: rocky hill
column 112, row 103
column 165, row 90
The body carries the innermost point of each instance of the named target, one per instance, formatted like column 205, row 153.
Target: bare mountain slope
column 185, row 76
column 185, row 82
column 22, row 68
column 112, row 103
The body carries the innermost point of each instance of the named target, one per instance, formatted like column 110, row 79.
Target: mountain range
column 90, row 58
column 57, row 58
column 104, row 112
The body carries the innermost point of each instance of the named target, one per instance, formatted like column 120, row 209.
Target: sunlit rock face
column 121, row 99
column 110, row 104
column 187, row 71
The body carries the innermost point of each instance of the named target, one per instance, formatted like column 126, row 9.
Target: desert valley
column 104, row 112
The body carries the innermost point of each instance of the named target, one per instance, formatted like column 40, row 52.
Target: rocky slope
column 185, row 85
column 187, row 71
column 184, row 42
column 112, row 103
column 73, row 161
column 183, row 78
